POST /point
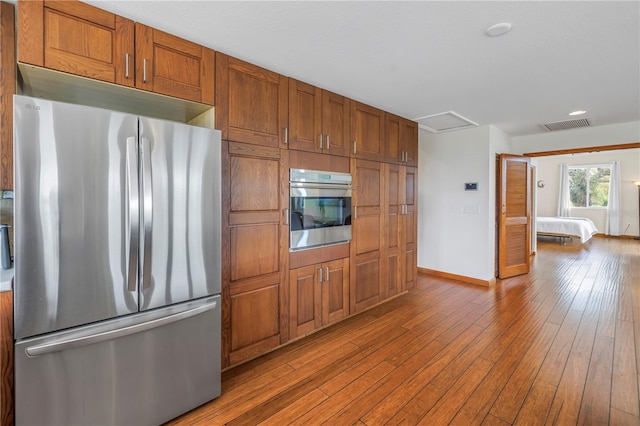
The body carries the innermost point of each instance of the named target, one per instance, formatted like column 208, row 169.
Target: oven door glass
column 319, row 217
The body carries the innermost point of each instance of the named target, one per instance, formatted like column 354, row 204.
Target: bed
column 566, row 227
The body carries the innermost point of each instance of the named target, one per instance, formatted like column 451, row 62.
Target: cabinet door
column 392, row 150
column 367, row 132
column 393, row 254
column 409, row 141
column 255, row 262
column 410, row 227
column 305, row 116
column 366, row 287
column 335, row 290
column 77, row 38
column 305, row 310
column 173, row 66
column 335, row 124
column 252, row 103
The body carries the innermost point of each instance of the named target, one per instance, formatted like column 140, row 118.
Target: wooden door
column 335, row 124
column 305, row 298
column 410, row 222
column 335, row 291
column 255, row 260
column 77, row 38
column 393, row 253
column 305, row 116
column 367, row 132
column 514, row 245
column 409, row 142
column 392, row 150
column 173, row 66
column 366, row 286
column 252, row 104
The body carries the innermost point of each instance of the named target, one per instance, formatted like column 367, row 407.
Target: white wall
column 456, row 228
column 612, row 134
column 548, row 170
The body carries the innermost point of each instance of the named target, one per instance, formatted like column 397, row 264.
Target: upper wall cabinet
column 401, row 143
column 77, row 38
column 81, row 39
column 367, row 132
column 173, row 66
column 318, row 120
column 252, row 103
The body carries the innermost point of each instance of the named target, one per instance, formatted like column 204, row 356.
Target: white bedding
column 580, row 227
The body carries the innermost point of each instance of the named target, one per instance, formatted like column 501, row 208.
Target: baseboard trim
column 440, row 274
column 620, row 237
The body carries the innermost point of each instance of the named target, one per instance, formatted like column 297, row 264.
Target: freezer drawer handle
column 73, row 343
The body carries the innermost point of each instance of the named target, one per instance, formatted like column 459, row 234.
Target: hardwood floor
column 560, row 345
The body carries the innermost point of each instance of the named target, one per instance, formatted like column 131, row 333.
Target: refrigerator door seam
column 66, row 344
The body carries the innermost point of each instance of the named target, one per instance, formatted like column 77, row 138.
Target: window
column 589, row 185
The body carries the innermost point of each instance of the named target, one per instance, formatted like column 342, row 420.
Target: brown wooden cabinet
column 318, row 120
column 401, row 143
column 410, row 227
column 252, row 103
column 318, row 296
column 393, row 253
column 81, row 39
column 366, row 284
column 255, row 257
column 367, row 132
column 408, row 142
column 7, row 90
column 173, row 66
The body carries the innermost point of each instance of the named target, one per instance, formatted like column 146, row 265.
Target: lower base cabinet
column 318, row 295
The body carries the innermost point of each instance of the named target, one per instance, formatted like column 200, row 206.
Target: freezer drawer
column 144, row 369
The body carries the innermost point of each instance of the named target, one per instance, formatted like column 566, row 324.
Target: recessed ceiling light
column 498, row 29
column 577, row 112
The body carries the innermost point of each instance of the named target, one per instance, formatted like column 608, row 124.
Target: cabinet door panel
column 252, row 103
column 254, row 184
column 393, row 228
column 254, row 250
column 335, row 123
column 304, row 290
column 335, row 291
column 367, row 291
column 409, row 141
column 77, row 38
column 173, row 66
column 305, row 115
column 367, row 234
column 410, row 228
column 367, row 130
column 254, row 317
column 392, row 149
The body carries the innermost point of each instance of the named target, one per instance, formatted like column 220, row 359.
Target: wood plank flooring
column 560, row 345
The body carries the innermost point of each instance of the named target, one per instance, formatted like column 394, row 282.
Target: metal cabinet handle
column 327, row 141
column 134, row 212
column 126, row 66
column 144, row 70
column 326, row 275
column 286, row 135
column 147, row 205
column 320, row 275
column 320, row 137
column 286, row 216
column 355, row 150
column 355, row 212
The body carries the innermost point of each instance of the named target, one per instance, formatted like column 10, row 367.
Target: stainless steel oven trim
column 319, row 192
column 317, row 176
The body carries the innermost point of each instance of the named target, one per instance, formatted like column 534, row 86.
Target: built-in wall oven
column 320, row 208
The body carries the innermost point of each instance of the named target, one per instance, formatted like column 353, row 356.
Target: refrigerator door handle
column 72, row 343
column 147, row 204
column 134, row 213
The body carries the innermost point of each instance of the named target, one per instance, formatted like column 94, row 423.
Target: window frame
column 588, row 194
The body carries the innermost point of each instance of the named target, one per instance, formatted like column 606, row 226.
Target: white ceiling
column 416, row 58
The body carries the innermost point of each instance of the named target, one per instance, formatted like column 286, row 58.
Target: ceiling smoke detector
column 444, row 122
column 566, row 124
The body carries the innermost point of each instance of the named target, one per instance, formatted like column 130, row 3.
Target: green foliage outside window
column 589, row 186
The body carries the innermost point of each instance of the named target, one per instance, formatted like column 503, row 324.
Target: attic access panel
column 444, row 122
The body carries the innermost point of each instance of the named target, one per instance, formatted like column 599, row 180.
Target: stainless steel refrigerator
column 117, row 266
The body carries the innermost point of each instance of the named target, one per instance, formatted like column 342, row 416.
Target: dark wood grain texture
column 6, row 359
column 7, row 90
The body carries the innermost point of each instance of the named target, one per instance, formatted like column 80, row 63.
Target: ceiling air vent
column 444, row 122
column 567, row 124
